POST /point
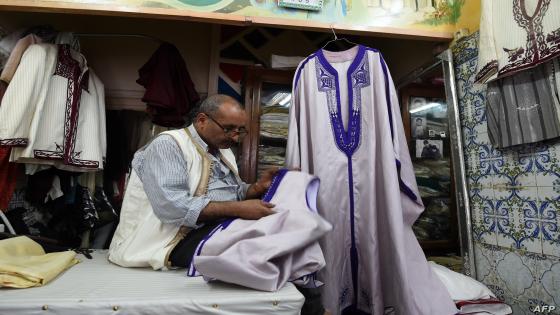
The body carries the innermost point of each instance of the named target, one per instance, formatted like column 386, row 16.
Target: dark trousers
column 181, row 256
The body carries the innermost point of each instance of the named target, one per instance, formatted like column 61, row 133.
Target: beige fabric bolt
column 24, row 263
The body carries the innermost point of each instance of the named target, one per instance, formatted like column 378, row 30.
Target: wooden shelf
column 438, row 244
column 277, row 142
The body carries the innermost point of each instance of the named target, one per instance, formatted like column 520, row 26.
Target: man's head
column 418, row 121
column 426, row 142
column 220, row 121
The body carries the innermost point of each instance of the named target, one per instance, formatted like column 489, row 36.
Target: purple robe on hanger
column 346, row 128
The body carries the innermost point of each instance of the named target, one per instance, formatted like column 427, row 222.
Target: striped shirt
column 163, row 171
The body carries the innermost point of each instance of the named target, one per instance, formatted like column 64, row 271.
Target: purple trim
column 220, row 227
column 346, row 140
column 300, row 68
column 274, row 185
column 404, row 188
column 312, row 182
column 387, row 94
column 354, row 263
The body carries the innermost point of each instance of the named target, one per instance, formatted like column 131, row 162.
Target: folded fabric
column 461, row 287
column 24, row 264
column 264, row 254
column 490, row 306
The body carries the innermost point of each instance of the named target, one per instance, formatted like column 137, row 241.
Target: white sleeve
column 23, row 96
column 293, row 152
column 102, row 123
column 487, row 66
column 407, row 178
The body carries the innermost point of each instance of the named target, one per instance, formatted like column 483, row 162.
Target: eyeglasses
column 230, row 132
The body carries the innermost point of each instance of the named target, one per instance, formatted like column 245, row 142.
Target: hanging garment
column 24, row 264
column 170, row 92
column 15, row 56
column 54, row 111
column 524, row 107
column 516, row 35
column 264, row 254
column 345, row 128
column 8, row 171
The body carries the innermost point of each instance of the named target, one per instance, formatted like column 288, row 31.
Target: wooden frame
column 255, row 78
column 219, row 18
column 429, row 91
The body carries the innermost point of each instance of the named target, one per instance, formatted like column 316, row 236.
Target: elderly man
column 182, row 183
column 189, row 177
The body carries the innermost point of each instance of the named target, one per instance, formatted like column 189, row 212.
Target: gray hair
column 212, row 103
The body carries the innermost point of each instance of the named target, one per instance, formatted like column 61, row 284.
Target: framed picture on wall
column 315, row 5
column 429, row 149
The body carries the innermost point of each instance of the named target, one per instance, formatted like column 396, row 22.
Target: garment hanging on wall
column 54, row 109
column 516, row 35
column 15, row 56
column 264, row 254
column 9, row 171
column 345, row 127
column 524, row 107
column 170, row 92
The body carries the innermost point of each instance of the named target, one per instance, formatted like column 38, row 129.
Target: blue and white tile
column 515, row 273
column 549, row 216
column 503, row 187
column 547, row 292
column 550, row 281
column 483, row 259
column 547, row 179
column 483, row 224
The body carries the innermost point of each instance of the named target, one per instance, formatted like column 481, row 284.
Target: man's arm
column 252, row 209
column 164, row 174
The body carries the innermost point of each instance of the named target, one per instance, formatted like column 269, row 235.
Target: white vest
column 141, row 239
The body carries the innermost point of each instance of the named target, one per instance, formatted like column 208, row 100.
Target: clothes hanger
column 336, row 43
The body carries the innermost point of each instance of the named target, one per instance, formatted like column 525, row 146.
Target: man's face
column 230, row 117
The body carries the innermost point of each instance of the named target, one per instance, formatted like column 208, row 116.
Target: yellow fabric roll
column 24, row 264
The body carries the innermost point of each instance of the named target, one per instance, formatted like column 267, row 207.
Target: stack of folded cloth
column 24, row 263
column 274, row 122
column 270, row 156
column 469, row 295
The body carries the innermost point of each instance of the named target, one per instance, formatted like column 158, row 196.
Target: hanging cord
column 7, row 222
column 334, row 34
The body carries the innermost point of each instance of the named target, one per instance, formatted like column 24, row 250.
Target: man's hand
column 253, row 209
column 257, row 189
column 266, row 178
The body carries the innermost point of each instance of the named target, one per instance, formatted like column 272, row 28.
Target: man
column 419, row 128
column 182, row 183
column 166, row 178
column 430, row 151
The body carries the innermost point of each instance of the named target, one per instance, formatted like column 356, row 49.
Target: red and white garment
column 516, row 35
column 53, row 111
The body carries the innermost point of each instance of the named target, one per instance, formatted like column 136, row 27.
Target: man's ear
column 200, row 117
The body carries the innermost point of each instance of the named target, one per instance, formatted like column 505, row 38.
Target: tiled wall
column 515, row 201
